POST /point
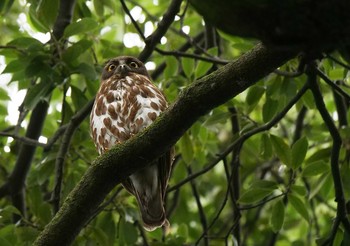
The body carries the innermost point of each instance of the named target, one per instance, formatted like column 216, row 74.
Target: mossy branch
column 193, row 102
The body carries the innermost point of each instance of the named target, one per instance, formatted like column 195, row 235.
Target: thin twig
column 138, row 29
column 25, row 140
column 163, row 26
column 201, row 212
column 312, row 72
column 194, row 56
column 332, row 84
column 13, row 47
column 62, row 153
column 104, row 205
column 242, row 138
column 288, row 74
column 339, row 62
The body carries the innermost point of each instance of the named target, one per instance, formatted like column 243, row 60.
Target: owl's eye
column 133, row 64
column 111, row 67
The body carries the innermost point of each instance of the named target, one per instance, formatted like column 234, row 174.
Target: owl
column 126, row 103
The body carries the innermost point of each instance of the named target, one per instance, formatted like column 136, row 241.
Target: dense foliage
column 262, row 169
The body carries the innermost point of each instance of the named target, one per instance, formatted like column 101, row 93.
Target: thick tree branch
column 19, row 174
column 111, row 168
column 15, row 186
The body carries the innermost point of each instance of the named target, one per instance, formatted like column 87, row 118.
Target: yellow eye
column 111, row 68
column 133, row 64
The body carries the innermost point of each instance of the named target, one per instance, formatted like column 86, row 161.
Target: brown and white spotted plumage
column 126, row 103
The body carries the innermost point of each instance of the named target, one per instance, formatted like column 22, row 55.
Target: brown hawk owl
column 126, row 103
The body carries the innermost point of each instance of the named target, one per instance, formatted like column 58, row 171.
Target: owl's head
column 122, row 66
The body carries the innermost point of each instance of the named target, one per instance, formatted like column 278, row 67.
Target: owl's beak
column 122, row 70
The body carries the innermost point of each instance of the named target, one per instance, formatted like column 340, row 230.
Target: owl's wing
column 164, row 166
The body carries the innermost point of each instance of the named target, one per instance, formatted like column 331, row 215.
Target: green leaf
column 265, row 146
column 299, row 206
column 26, row 234
column 127, row 233
column 25, row 42
column 5, row 242
column 315, row 168
column 37, row 23
column 346, row 239
column 217, row 116
column 277, row 216
column 38, row 67
column 264, row 184
column 73, row 52
column 98, row 6
column 321, row 154
column 5, row 6
column 254, row 95
column 9, row 209
column 171, row 67
column 36, row 93
column 202, row 68
column 308, row 100
column 324, row 180
column 336, row 73
column 4, row 95
column 81, row 26
column 254, row 195
column 78, row 98
column 16, row 66
column 299, row 189
column 186, row 148
column 87, row 70
column 47, row 11
column 282, row 149
column 187, row 66
column 269, row 109
column 299, row 150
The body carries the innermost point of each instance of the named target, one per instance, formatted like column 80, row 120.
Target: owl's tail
column 149, row 195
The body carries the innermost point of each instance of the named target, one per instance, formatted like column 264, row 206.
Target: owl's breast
column 123, row 108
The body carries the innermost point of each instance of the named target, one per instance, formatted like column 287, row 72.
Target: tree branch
column 62, row 152
column 164, row 24
column 122, row 160
column 312, row 71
